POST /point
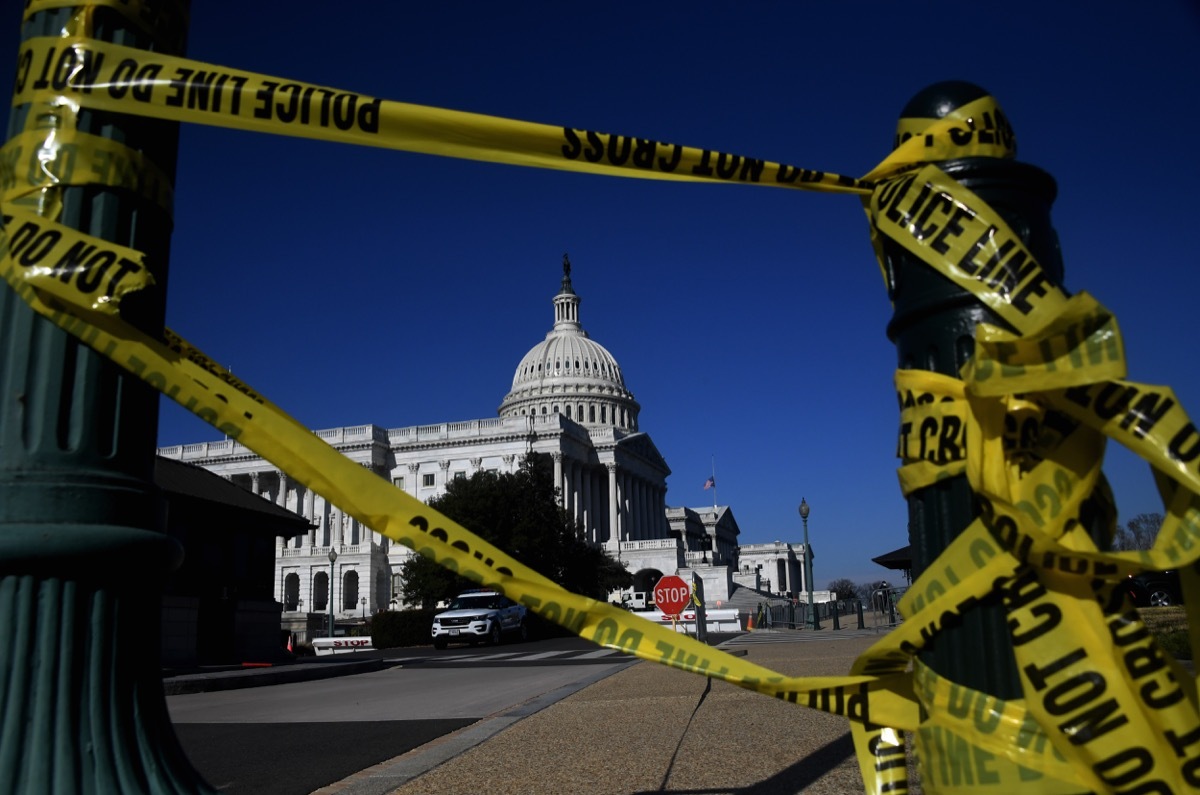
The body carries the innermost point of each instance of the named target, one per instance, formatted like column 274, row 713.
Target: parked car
column 1155, row 588
column 473, row 616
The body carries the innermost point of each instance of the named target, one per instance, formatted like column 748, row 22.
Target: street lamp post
column 332, row 559
column 363, row 602
column 814, row 623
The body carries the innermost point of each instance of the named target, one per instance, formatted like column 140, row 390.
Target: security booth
column 219, row 606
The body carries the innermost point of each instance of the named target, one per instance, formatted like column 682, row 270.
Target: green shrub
column 393, row 628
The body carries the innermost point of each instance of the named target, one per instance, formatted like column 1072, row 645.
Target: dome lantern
column 569, row 373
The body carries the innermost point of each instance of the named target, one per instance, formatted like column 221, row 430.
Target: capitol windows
column 591, row 413
column 398, row 482
column 603, row 414
column 568, row 412
column 427, row 480
column 460, row 475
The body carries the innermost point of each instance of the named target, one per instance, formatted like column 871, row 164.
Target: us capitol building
column 569, row 401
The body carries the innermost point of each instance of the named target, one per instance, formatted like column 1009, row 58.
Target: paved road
column 291, row 739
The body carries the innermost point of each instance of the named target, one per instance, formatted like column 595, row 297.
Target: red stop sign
column 671, row 595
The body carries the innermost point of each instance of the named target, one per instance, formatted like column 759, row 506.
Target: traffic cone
column 750, row 621
column 290, row 636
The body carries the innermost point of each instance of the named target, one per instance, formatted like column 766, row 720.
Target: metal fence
column 879, row 612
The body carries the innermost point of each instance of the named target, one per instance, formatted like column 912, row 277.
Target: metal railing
column 879, row 612
column 795, row 615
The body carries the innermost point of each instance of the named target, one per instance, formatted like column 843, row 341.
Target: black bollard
column 933, row 328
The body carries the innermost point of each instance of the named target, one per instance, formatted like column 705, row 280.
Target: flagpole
column 714, row 478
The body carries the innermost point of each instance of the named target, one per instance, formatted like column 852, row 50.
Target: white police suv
column 479, row 615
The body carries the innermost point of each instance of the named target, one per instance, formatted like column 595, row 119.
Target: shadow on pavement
column 242, row 758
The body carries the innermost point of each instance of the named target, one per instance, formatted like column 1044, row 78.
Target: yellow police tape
column 1104, row 706
column 75, row 72
column 38, row 159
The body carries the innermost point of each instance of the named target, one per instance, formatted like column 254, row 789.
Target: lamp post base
column 83, row 705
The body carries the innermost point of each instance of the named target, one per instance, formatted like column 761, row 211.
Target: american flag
column 711, row 483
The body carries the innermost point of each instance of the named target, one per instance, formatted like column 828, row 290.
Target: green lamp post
column 332, row 559
column 83, row 547
column 813, row 621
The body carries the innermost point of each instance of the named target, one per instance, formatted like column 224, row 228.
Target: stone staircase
column 746, row 600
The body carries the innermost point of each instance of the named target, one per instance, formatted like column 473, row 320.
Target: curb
column 259, row 677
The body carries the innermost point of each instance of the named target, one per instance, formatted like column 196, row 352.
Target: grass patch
column 1170, row 626
column 1176, row 644
column 1164, row 619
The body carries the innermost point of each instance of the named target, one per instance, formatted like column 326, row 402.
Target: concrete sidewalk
column 650, row 728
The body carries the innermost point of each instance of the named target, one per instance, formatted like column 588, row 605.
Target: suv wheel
column 1160, row 598
column 522, row 632
column 494, row 635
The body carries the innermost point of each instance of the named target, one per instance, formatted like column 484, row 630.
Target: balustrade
column 651, row 543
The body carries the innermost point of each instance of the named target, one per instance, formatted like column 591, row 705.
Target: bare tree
column 1138, row 533
column 866, row 590
column 843, row 588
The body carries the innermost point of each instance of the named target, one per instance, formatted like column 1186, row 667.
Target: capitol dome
column 568, row 373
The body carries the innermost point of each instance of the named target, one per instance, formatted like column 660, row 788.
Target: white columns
column 633, row 507
column 413, row 473
column 597, row 503
column 614, row 531
column 576, row 492
column 589, row 530
column 558, row 477
column 629, row 524
column 644, row 516
column 310, row 499
column 660, row 511
column 335, row 527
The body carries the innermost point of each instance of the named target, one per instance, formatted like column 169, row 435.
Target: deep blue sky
column 360, row 286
